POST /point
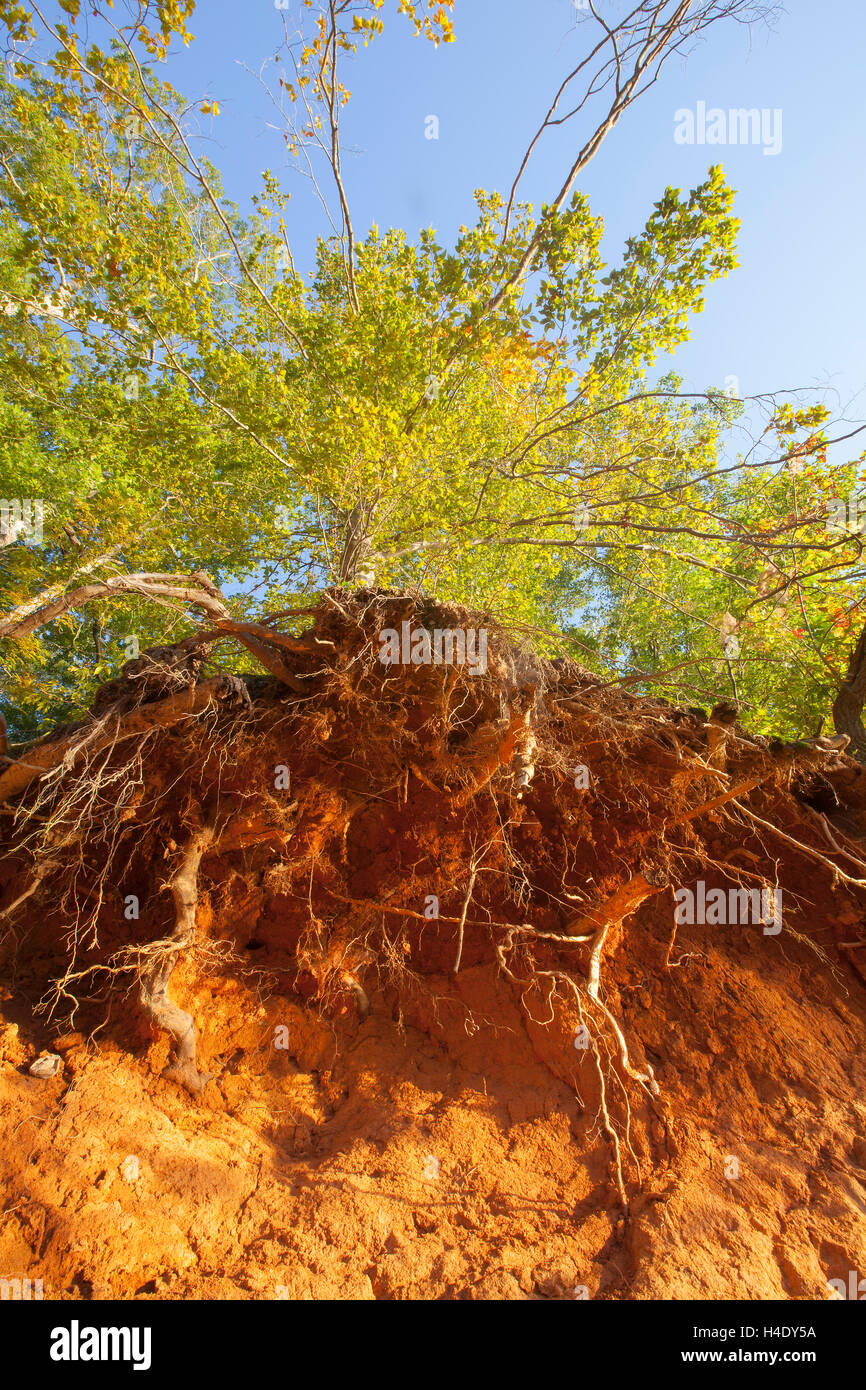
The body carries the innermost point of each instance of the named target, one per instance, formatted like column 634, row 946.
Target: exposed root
column 155, row 978
column 46, row 757
column 462, row 926
column 611, row 1133
column 385, row 788
column 806, row 849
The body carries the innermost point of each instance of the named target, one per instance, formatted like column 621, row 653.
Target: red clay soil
column 548, row 1090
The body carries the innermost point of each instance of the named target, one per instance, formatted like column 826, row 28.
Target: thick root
column 154, row 981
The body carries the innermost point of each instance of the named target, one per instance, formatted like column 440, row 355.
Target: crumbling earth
column 367, row 984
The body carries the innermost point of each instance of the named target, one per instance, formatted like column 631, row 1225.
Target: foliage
column 475, row 420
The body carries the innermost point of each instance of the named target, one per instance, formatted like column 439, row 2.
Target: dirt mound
column 428, row 968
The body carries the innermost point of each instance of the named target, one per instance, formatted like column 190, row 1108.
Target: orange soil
column 451, row 1142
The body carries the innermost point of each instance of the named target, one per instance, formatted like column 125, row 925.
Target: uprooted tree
column 406, row 822
column 199, row 448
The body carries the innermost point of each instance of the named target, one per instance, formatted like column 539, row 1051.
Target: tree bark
column 848, row 705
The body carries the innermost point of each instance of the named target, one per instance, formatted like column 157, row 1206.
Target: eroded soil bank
column 423, row 922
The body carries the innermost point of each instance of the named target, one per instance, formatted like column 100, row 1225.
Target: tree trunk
column 356, row 555
column 848, row 705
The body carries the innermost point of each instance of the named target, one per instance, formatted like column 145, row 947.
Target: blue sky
column 791, row 315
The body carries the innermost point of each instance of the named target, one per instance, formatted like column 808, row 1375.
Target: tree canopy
column 190, row 426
